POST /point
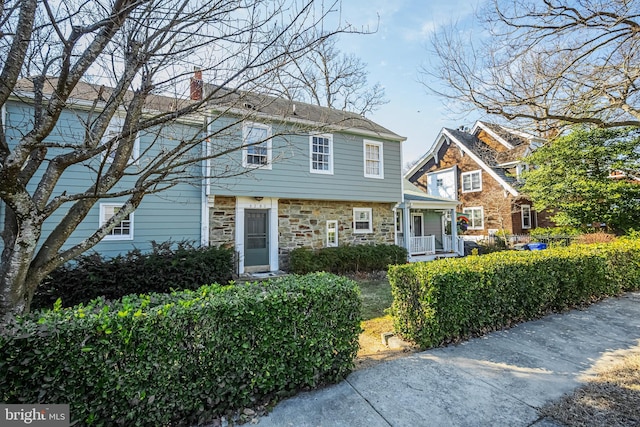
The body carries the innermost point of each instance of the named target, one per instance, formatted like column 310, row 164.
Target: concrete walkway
column 500, row 379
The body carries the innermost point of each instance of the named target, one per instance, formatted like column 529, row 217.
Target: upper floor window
column 124, row 229
column 476, row 218
column 321, row 149
column 362, row 222
column 525, row 211
column 373, row 160
column 439, row 183
column 256, row 139
column 114, row 129
column 472, row 181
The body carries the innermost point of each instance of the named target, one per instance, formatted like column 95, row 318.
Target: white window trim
column 311, row 169
column 365, row 143
column 103, row 208
column 356, row 211
column 470, row 174
column 411, row 229
column 332, row 225
column 245, row 151
column 520, row 169
column 399, row 228
column 116, row 123
column 522, row 209
column 481, row 209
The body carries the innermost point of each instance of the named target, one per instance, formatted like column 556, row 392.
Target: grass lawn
column 376, row 298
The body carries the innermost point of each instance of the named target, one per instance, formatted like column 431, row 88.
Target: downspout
column 206, row 190
column 405, row 228
column 197, row 93
column 454, row 231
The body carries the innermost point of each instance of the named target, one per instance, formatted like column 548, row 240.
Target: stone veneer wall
column 303, row 223
column 222, row 221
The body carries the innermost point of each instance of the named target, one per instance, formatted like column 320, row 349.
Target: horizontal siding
column 290, row 176
column 174, row 214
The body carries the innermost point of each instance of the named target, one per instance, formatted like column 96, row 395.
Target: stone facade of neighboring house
column 482, row 169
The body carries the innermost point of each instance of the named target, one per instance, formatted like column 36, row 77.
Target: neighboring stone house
column 482, row 168
column 316, row 177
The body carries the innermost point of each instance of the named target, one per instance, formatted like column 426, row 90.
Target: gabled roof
column 267, row 106
column 242, row 102
column 517, row 144
column 90, row 92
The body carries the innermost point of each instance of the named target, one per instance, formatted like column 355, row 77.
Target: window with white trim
column 362, row 222
column 321, row 150
column 525, row 211
column 332, row 233
column 471, row 181
column 373, row 160
column 256, row 139
column 123, row 230
column 399, row 228
column 114, row 129
column 520, row 169
column 476, row 218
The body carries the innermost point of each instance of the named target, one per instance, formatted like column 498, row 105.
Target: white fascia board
column 424, row 159
column 416, row 204
column 258, row 116
column 495, row 136
column 484, row 166
column 441, row 170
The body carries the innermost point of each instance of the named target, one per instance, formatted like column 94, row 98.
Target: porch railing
column 449, row 246
column 423, row 245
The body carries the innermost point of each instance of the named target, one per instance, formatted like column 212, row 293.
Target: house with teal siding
column 274, row 175
column 175, row 214
column 314, row 177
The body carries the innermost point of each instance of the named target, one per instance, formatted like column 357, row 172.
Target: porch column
column 454, row 231
column 405, row 228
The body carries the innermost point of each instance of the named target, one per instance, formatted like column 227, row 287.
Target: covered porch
column 426, row 226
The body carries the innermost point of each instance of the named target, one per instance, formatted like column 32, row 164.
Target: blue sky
column 394, row 54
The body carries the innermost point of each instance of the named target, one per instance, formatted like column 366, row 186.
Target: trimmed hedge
column 183, row 358
column 162, row 270
column 346, row 259
column 447, row 300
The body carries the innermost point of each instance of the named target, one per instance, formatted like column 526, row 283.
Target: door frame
column 412, row 229
column 269, row 204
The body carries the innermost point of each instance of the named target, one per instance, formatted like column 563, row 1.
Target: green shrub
column 346, row 259
column 162, row 270
column 451, row 299
column 555, row 236
column 183, row 358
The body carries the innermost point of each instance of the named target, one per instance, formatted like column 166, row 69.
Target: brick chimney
column 196, row 85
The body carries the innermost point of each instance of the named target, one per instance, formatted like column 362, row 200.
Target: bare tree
column 119, row 59
column 330, row 78
column 552, row 62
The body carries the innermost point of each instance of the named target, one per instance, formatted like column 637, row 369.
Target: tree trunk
column 15, row 291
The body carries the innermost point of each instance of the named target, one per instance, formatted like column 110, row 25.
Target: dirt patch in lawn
column 611, row 397
column 376, row 299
